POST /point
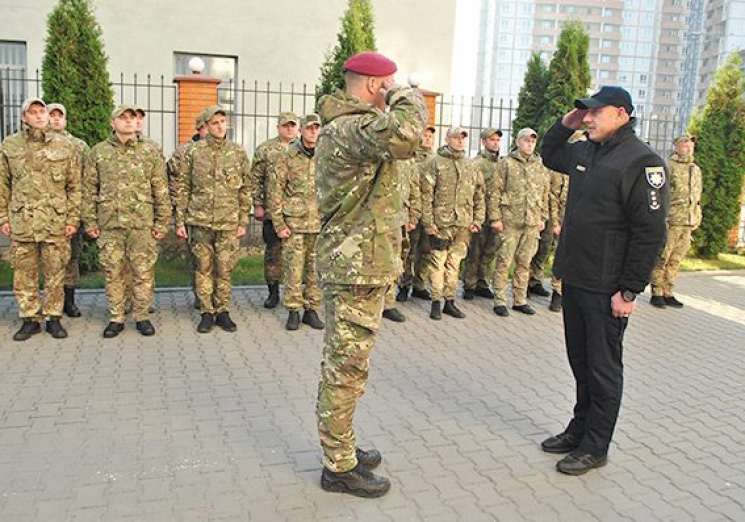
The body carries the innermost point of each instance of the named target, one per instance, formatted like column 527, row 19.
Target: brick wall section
column 195, row 92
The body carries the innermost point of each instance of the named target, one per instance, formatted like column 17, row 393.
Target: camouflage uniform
column 478, row 268
column 684, row 218
column 557, row 200
column 213, row 199
column 452, row 201
column 416, row 268
column 358, row 246
column 292, row 204
column 519, row 199
column 125, row 196
column 39, row 196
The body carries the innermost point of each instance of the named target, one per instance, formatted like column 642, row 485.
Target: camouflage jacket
column 261, row 168
column 40, row 185
column 452, row 192
column 357, row 184
column 125, row 187
column 175, row 167
column 292, row 191
column 411, row 197
column 214, row 186
column 519, row 193
column 685, row 192
column 557, row 197
column 151, row 143
column 423, row 155
column 486, row 163
column 80, row 146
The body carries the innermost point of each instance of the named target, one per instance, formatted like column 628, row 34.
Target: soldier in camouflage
column 261, row 171
column 58, row 123
column 684, row 218
column 292, row 205
column 518, row 211
column 126, row 209
column 452, row 209
column 40, row 211
column 478, row 268
column 212, row 204
column 358, row 248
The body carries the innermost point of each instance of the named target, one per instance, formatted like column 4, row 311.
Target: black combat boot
column 468, row 294
column 273, row 300
column 658, row 301
column 113, row 329
column 671, row 301
column 484, row 291
column 421, row 294
column 403, row 294
column 370, row 459
column 435, row 313
column 55, row 328
column 452, row 310
column 206, row 323
column 359, row 481
column 70, row 308
column 555, row 305
column 224, row 321
column 27, row 329
column 145, row 327
column 293, row 320
column 392, row 314
column 537, row 289
column 501, row 311
column 310, row 317
column 525, row 309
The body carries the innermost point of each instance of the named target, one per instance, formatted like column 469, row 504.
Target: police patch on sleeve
column 655, row 176
column 653, row 197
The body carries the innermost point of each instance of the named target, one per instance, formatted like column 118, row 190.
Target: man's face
column 125, row 123
column 685, row 148
column 457, row 142
column 603, row 122
column 140, row 121
column 218, row 126
column 428, row 139
column 492, row 143
column 310, row 134
column 36, row 116
column 57, row 120
column 526, row 145
column 287, row 132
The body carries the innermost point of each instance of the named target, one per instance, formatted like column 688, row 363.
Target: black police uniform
column 613, row 233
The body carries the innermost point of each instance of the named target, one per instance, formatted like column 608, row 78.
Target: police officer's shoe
column 555, row 305
column 403, row 294
column 55, row 328
column 421, row 294
column 671, row 301
column 359, row 481
column 525, row 309
column 206, row 323
column 435, row 313
column 293, row 320
column 112, row 329
column 468, row 294
column 145, row 327
column 70, row 308
column 562, row 443
column 501, row 311
column 452, row 310
column 310, row 317
column 27, row 329
column 537, row 289
column 392, row 314
column 273, row 300
column 484, row 292
column 370, row 459
column 658, row 301
column 579, row 462
column 224, row 321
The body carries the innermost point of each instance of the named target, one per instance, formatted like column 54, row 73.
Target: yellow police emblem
column 655, row 176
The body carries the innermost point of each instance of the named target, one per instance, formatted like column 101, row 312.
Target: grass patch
column 722, row 262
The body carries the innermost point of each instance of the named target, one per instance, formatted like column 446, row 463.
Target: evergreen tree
column 74, row 70
column 720, row 152
column 357, row 35
column 531, row 101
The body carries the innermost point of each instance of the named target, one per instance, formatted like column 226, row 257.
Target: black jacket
column 615, row 222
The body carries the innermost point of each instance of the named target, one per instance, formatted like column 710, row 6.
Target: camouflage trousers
column 214, row 254
column 272, row 255
column 517, row 244
column 445, row 264
column 300, row 260
column 390, row 297
column 26, row 258
column 545, row 243
column 478, row 268
column 72, row 271
column 132, row 250
column 417, row 262
column 676, row 248
column 353, row 315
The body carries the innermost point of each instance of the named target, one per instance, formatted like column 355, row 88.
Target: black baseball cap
column 607, row 95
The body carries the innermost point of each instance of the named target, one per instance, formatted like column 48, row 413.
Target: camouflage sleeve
column 89, row 210
column 245, row 194
column 161, row 199
column 554, row 194
column 276, row 190
column 4, row 187
column 479, row 204
column 493, row 207
column 415, row 194
column 428, row 195
column 173, row 167
column 180, row 186
column 74, row 188
column 258, row 172
column 546, row 190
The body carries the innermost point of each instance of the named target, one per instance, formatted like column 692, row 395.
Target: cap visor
column 588, row 103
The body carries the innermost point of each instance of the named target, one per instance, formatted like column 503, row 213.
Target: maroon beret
column 370, row 64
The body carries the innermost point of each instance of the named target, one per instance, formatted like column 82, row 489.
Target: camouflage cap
column 211, row 111
column 489, row 132
column 457, row 131
column 684, row 137
column 31, row 101
column 527, row 131
column 139, row 110
column 431, row 128
column 57, row 107
column 287, row 117
column 311, row 119
column 200, row 121
column 121, row 109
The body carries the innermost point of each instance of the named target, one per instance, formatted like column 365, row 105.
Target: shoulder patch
column 655, row 176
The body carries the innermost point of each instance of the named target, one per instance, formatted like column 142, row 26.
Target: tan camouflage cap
column 211, row 111
column 200, row 121
column 31, row 101
column 57, row 107
column 457, row 131
column 287, row 117
column 311, row 119
column 527, row 131
column 139, row 110
column 684, row 137
column 121, row 109
column 489, row 132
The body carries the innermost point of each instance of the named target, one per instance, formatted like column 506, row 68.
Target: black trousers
column 594, row 341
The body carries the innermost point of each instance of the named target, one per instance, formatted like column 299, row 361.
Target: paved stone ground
column 184, row 426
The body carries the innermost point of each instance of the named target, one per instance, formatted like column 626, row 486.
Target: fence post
column 195, row 92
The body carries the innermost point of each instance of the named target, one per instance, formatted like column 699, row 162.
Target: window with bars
column 13, row 88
